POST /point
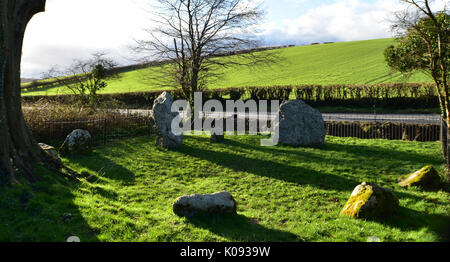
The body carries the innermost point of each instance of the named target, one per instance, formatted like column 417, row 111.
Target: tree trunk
column 447, row 147
column 444, row 136
column 19, row 152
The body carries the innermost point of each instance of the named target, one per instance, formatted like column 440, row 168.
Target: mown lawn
column 283, row 193
column 359, row 62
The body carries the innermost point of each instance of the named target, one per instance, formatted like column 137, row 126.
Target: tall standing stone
column 300, row 125
column 162, row 118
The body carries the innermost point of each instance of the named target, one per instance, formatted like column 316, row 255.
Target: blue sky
column 69, row 29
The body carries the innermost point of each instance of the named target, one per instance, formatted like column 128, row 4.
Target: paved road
column 383, row 118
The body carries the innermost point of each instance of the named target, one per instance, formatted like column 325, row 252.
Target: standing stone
column 300, row 125
column 77, row 142
column 50, row 152
column 426, row 178
column 368, row 200
column 217, row 203
column 217, row 138
column 161, row 117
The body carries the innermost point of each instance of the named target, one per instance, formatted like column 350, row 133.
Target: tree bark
column 19, row 152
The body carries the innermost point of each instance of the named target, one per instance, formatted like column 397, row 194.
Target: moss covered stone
column 426, row 178
column 370, row 201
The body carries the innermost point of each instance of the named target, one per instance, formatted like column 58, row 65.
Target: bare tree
column 190, row 35
column 84, row 77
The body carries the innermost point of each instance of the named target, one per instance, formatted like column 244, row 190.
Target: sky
column 74, row 29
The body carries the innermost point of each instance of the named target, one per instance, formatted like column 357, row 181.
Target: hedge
column 399, row 95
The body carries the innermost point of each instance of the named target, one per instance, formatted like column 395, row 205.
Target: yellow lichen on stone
column 357, row 201
column 427, row 177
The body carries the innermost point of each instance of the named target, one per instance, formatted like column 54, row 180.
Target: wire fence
column 130, row 123
column 102, row 130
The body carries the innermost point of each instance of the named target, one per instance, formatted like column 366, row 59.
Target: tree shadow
column 264, row 168
column 358, row 151
column 241, row 229
column 104, row 167
column 44, row 211
column 406, row 219
column 354, row 156
column 373, row 151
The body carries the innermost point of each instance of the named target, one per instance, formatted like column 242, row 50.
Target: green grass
column 360, row 62
column 283, row 193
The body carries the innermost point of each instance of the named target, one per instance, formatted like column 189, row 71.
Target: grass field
column 283, row 193
column 360, row 62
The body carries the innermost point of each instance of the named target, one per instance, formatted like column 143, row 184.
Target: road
column 328, row 117
column 383, row 118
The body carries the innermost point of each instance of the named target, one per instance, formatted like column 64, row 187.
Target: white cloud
column 71, row 29
column 343, row 20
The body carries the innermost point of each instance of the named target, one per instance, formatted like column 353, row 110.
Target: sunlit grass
column 283, row 193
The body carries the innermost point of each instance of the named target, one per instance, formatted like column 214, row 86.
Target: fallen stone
column 368, row 200
column 217, row 203
column 300, row 125
column 425, row 178
column 50, row 152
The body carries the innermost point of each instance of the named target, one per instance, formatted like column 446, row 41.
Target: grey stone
column 161, row 118
column 300, row 125
column 217, row 203
column 50, row 152
column 77, row 142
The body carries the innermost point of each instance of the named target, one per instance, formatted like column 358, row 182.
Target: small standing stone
column 217, row 138
column 77, row 142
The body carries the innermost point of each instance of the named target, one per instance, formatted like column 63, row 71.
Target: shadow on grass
column 104, row 167
column 44, row 211
column 242, row 229
column 292, row 174
column 407, row 219
column 359, row 151
column 381, row 153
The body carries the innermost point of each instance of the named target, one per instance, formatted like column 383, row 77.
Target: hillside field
column 359, row 62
